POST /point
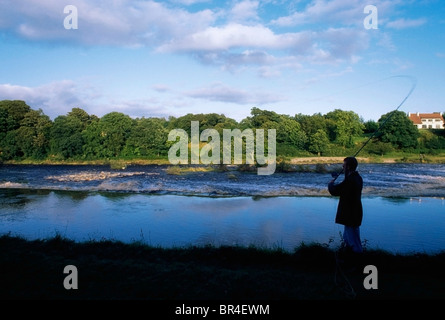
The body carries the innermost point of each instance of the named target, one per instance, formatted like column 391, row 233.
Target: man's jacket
column 350, row 209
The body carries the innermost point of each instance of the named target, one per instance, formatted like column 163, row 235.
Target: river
column 404, row 206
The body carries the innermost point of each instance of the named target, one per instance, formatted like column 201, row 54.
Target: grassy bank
column 114, row 270
column 395, row 157
column 110, row 162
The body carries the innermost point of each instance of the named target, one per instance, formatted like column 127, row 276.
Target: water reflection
column 73, row 195
column 394, row 224
column 396, row 200
column 19, row 198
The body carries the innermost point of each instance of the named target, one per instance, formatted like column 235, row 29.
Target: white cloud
column 344, row 44
column 385, row 41
column 244, row 11
column 189, row 2
column 329, row 45
column 138, row 108
column 260, row 61
column 58, row 98
column 54, row 99
column 335, row 13
column 159, row 25
column 231, row 61
column 345, row 12
column 268, row 72
column 406, row 23
column 124, row 23
column 233, row 35
column 161, row 88
column 223, row 93
column 327, row 76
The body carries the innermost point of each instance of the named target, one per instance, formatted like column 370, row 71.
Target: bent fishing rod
column 413, row 86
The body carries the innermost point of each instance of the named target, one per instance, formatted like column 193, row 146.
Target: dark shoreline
column 112, row 270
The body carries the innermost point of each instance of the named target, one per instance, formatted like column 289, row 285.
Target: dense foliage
column 26, row 133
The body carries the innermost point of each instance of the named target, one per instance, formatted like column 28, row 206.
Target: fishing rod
column 347, row 286
column 413, row 86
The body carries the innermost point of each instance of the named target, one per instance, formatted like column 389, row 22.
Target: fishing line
column 346, row 287
column 413, row 86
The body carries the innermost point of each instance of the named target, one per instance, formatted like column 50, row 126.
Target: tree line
column 26, row 133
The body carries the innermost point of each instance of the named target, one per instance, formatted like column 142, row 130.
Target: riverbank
column 111, row 270
column 405, row 158
column 122, row 163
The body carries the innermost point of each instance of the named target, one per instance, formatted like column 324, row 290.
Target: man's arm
column 334, row 189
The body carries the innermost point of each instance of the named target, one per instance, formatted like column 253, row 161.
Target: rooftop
column 417, row 117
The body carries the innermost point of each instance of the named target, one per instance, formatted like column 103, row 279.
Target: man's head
column 349, row 164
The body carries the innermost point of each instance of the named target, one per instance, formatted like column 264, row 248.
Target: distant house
column 427, row 120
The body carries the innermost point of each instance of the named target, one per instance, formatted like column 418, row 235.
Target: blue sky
column 170, row 58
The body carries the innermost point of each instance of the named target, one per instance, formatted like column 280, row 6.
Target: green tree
column 114, row 127
column 289, row 133
column 4, row 123
column 93, row 141
column 311, row 124
column 33, row 135
column 370, row 126
column 431, row 140
column 82, row 116
column 9, row 148
column 343, row 126
column 12, row 113
column 206, row 121
column 147, row 138
column 319, row 142
column 67, row 139
column 378, row 147
column 259, row 117
column 397, row 129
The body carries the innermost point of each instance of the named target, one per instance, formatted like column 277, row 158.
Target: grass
column 181, row 169
column 113, row 163
column 112, row 270
column 118, row 163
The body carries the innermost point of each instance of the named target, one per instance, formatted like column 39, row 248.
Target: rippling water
column 395, row 180
column 404, row 206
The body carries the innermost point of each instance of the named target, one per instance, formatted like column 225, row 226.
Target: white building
column 427, row 120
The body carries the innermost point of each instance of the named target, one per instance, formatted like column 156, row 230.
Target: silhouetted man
column 350, row 209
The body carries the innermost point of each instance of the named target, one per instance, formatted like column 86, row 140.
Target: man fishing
column 350, row 209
